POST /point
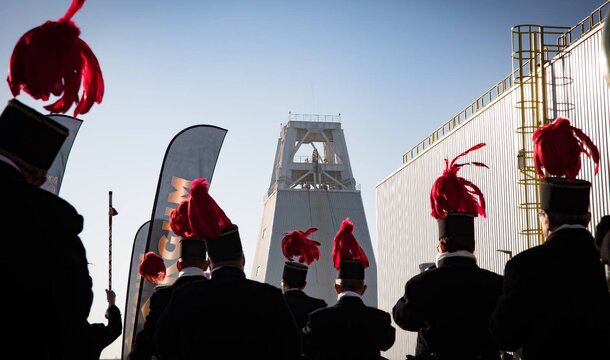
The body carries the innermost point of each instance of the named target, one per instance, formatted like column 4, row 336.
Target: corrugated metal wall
column 406, row 233
column 586, row 102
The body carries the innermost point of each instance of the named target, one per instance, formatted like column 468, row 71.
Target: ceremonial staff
column 111, row 212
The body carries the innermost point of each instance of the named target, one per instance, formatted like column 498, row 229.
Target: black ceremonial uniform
column 301, row 304
column 348, row 330
column 94, row 338
column 555, row 304
column 144, row 346
column 45, row 268
column 450, row 306
column 227, row 317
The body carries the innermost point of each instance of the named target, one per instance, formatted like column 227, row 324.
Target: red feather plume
column 152, row 268
column 206, row 218
column 296, row 243
column 179, row 220
column 451, row 193
column 557, row 149
column 53, row 60
column 345, row 246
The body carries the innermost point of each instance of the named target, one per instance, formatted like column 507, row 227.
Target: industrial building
column 556, row 73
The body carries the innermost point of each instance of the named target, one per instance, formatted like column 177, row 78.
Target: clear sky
column 395, row 70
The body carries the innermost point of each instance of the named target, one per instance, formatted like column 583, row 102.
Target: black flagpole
column 110, row 214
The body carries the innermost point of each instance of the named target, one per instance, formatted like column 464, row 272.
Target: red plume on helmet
column 451, row 193
column 296, row 243
column 179, row 220
column 207, row 219
column 345, row 246
column 557, row 149
column 51, row 59
column 152, row 268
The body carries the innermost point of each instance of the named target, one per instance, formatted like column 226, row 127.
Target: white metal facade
column 406, row 233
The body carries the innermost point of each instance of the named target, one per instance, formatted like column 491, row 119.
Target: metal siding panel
column 588, row 107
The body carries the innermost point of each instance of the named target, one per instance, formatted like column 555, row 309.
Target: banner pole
column 110, row 240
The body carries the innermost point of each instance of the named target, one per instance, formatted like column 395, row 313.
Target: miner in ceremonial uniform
column 192, row 266
column 349, row 329
column 450, row 305
column 294, row 277
column 555, row 304
column 44, row 256
column 51, row 312
column 296, row 243
column 229, row 316
column 92, row 339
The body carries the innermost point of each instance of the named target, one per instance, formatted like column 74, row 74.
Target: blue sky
column 395, row 70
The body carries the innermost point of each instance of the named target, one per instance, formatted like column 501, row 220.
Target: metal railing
column 584, row 26
column 306, row 159
column 482, row 101
column 568, row 37
column 310, row 185
column 314, row 117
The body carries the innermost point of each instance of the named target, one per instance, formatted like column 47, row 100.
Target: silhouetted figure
column 92, row 339
column 293, row 286
column 450, row 305
column 192, row 264
column 229, row 316
column 349, row 329
column 45, row 259
column 294, row 277
column 555, row 303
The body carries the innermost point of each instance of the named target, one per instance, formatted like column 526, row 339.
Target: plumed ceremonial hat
column 296, row 243
column 557, row 149
column 209, row 222
column 562, row 196
column 52, row 60
column 152, row 268
column 456, row 224
column 200, row 217
column 295, row 274
column 179, row 220
column 348, row 257
column 29, row 135
column 192, row 248
column 456, row 201
column 226, row 246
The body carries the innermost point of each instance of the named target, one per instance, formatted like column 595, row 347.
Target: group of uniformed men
column 552, row 303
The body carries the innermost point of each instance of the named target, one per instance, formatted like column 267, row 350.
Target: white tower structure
column 312, row 186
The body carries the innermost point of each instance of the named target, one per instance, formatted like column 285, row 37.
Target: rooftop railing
column 570, row 36
column 314, row 117
column 482, row 101
column 585, row 25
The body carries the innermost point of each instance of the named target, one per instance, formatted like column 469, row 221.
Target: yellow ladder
column 532, row 47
